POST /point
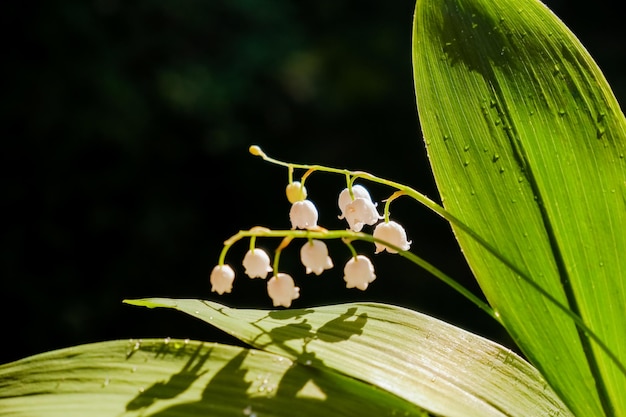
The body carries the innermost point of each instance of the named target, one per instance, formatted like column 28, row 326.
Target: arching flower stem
column 348, row 243
column 347, row 236
column 388, row 202
column 425, row 201
column 283, row 244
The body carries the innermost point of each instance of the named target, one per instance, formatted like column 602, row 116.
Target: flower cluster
column 356, row 207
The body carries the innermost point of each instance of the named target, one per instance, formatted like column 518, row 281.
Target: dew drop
column 562, row 112
column 106, row 382
column 466, row 148
column 495, row 157
column 501, row 170
column 446, row 137
column 167, row 340
column 465, row 163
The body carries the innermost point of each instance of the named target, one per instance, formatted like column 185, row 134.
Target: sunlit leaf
column 175, row 378
column 527, row 145
column 437, row 366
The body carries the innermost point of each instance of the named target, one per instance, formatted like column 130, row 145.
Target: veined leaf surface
column 176, row 378
column 527, row 145
column 438, row 367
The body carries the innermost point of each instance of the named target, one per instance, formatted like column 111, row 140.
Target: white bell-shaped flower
column 360, row 212
column 314, row 256
column 359, row 272
column 393, row 233
column 344, row 197
column 257, row 263
column 222, row 277
column 303, row 215
column 295, row 192
column 282, row 290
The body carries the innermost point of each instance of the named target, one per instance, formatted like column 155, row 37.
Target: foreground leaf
column 439, row 367
column 527, row 145
column 175, row 378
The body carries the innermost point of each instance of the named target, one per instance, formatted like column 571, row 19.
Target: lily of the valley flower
column 314, row 256
column 361, row 212
column 303, row 215
column 295, row 192
column 282, row 290
column 222, row 277
column 344, row 197
column 393, row 233
column 359, row 272
column 358, row 211
column 257, row 263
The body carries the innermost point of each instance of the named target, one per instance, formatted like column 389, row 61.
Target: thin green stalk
column 347, row 236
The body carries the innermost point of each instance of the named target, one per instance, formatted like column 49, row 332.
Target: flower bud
column 303, row 215
column 314, row 256
column 295, row 192
column 222, row 277
column 282, row 290
column 359, row 272
column 393, row 233
column 257, row 263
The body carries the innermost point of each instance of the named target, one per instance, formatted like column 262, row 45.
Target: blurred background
column 125, row 131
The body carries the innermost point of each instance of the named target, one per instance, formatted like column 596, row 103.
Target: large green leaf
column 438, row 367
column 175, row 378
column 527, row 145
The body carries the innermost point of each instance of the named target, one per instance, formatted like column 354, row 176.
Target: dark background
column 125, row 128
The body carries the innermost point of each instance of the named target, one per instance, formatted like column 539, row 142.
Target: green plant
column 527, row 145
